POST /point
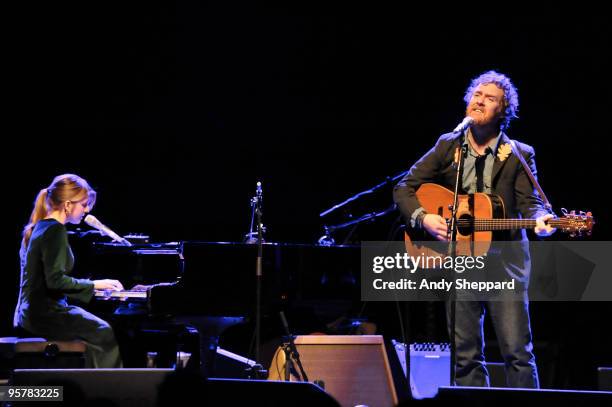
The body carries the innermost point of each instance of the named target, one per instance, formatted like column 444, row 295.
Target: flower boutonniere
column 504, row 151
column 456, row 158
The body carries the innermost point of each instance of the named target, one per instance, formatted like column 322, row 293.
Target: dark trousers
column 511, row 323
column 73, row 322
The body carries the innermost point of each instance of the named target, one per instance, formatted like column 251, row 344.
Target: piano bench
column 40, row 353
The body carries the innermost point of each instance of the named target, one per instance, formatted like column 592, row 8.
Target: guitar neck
column 509, row 224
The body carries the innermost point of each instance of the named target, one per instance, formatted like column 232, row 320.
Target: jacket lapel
column 499, row 164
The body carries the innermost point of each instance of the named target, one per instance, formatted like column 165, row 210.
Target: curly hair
column 511, row 101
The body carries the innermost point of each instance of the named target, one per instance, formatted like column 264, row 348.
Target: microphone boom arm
column 360, row 194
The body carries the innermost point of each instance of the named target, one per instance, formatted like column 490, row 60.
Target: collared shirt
column 469, row 171
column 469, row 165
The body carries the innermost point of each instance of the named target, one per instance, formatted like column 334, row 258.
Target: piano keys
column 121, row 295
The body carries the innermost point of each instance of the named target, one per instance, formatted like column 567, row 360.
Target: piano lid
column 220, row 279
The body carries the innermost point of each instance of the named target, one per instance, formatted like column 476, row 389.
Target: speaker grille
column 354, row 369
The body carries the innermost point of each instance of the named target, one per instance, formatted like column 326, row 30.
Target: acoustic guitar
column 479, row 216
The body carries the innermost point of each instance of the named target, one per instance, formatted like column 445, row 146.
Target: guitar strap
column 517, row 151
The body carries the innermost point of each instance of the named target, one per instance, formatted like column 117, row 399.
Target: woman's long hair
column 65, row 187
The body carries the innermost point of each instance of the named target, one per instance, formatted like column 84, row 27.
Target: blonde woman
column 47, row 260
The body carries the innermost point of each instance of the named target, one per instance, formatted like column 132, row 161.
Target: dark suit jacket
column 508, row 180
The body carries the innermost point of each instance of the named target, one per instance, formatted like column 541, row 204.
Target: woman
column 46, row 261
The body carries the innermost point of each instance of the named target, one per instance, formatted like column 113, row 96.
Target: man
column 489, row 166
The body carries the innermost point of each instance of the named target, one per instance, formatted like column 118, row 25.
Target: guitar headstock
column 576, row 224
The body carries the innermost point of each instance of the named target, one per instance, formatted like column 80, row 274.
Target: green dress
column 45, row 287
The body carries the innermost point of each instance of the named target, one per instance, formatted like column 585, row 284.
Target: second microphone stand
column 452, row 251
column 258, row 268
column 257, row 371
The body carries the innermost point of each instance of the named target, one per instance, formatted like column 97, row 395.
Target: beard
column 485, row 119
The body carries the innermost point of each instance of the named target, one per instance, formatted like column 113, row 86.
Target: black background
column 174, row 111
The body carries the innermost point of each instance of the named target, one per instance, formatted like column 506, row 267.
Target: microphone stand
column 291, row 352
column 258, row 273
column 250, row 238
column 257, row 371
column 327, row 239
column 387, row 181
column 452, row 236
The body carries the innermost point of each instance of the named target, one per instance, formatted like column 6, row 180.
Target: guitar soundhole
column 465, row 225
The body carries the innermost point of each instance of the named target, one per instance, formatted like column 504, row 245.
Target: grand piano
column 208, row 287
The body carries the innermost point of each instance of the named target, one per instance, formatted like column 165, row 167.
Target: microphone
column 259, row 195
column 95, row 223
column 259, row 191
column 467, row 122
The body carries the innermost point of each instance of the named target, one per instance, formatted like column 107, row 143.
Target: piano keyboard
column 120, row 294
